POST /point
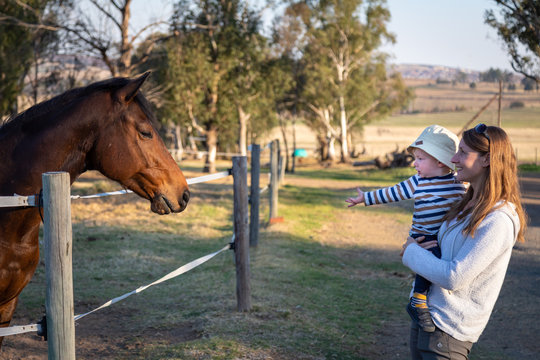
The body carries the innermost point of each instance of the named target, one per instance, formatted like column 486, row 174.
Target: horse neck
column 60, row 144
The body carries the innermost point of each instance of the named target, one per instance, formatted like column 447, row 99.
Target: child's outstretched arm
column 357, row 200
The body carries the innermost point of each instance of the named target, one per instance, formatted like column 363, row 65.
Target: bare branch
column 107, row 13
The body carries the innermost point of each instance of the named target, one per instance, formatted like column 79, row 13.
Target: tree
column 496, row 75
column 217, row 57
column 107, row 35
column 346, row 81
column 519, row 29
column 288, row 40
column 26, row 30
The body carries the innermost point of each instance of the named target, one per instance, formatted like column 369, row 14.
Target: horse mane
column 45, row 111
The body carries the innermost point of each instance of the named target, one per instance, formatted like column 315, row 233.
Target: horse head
column 128, row 149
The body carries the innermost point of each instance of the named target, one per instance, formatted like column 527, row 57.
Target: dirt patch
column 103, row 335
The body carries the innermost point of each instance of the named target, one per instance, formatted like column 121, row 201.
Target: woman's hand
column 425, row 245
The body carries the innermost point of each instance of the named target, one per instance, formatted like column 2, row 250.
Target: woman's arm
column 494, row 236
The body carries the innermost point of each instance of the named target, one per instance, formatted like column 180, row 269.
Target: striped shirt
column 433, row 197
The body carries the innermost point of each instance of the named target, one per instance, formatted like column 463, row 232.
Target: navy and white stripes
column 433, row 197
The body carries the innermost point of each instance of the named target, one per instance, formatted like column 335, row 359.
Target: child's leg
column 421, row 285
column 417, row 307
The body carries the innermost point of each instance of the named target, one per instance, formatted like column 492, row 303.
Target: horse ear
column 128, row 92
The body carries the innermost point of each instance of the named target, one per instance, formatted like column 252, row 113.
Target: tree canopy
column 518, row 26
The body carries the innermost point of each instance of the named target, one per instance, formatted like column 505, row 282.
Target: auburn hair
column 500, row 180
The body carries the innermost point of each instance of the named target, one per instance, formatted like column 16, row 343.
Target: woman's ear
column 485, row 160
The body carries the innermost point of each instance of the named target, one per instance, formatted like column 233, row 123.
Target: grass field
column 327, row 283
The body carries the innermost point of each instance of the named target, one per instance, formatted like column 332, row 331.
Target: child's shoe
column 422, row 317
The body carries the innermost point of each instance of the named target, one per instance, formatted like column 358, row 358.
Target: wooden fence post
column 274, row 180
column 57, row 236
column 254, row 195
column 241, row 242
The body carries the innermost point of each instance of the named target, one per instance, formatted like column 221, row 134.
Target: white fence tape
column 22, row 201
column 17, row 201
column 175, row 273
column 14, row 330
column 191, row 181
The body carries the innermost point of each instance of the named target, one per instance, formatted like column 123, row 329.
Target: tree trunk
column 124, row 63
column 211, row 144
column 323, row 147
column 283, row 126
column 331, row 141
column 243, row 119
column 178, row 142
column 343, row 137
column 294, row 144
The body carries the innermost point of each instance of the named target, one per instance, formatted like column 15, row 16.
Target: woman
column 476, row 241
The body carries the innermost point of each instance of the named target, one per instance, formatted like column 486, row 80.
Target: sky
column 431, row 32
column 445, row 32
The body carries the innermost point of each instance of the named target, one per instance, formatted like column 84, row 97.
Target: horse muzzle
column 162, row 205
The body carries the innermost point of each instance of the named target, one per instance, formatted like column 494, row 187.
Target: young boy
column 434, row 189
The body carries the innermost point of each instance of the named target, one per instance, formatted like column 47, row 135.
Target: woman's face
column 470, row 164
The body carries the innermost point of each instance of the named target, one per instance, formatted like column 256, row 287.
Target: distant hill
column 434, row 72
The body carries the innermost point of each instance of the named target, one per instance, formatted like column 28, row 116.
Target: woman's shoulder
column 504, row 212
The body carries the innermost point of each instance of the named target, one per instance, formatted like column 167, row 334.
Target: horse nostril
column 185, row 196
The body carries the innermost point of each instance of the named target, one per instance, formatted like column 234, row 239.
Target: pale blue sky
column 434, row 32
column 445, row 32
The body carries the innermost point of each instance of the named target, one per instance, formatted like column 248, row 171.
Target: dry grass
column 447, row 97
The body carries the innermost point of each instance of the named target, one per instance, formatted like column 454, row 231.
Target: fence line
column 240, row 242
column 30, row 200
column 20, row 329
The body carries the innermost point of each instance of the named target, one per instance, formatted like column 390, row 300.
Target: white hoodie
column 466, row 281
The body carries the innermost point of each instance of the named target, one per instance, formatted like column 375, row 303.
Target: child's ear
column 440, row 164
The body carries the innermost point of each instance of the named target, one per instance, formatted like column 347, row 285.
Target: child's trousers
column 421, row 285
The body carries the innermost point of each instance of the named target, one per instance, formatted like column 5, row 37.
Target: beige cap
column 438, row 142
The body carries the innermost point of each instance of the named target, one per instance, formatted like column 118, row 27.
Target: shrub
column 529, row 167
column 517, row 105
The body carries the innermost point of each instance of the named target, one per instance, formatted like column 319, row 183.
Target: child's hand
column 357, row 200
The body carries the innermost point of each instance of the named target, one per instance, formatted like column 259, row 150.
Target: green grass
column 529, row 168
column 314, row 296
column 310, row 300
column 367, row 177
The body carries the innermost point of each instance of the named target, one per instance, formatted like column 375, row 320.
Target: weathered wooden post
column 274, row 182
column 58, row 264
column 254, row 196
column 241, row 242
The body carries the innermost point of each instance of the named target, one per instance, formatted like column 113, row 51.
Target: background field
column 327, row 282
column 398, row 131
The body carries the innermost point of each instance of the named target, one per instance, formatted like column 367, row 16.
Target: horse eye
column 146, row 134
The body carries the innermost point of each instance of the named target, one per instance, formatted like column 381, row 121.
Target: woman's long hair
column 500, row 180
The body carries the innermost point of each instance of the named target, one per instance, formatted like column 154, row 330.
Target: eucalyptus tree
column 346, row 80
column 216, row 63
column 255, row 81
column 519, row 28
column 288, row 38
column 27, row 30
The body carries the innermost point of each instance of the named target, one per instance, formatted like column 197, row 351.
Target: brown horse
column 106, row 126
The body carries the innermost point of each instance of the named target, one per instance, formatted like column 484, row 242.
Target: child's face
column 426, row 165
